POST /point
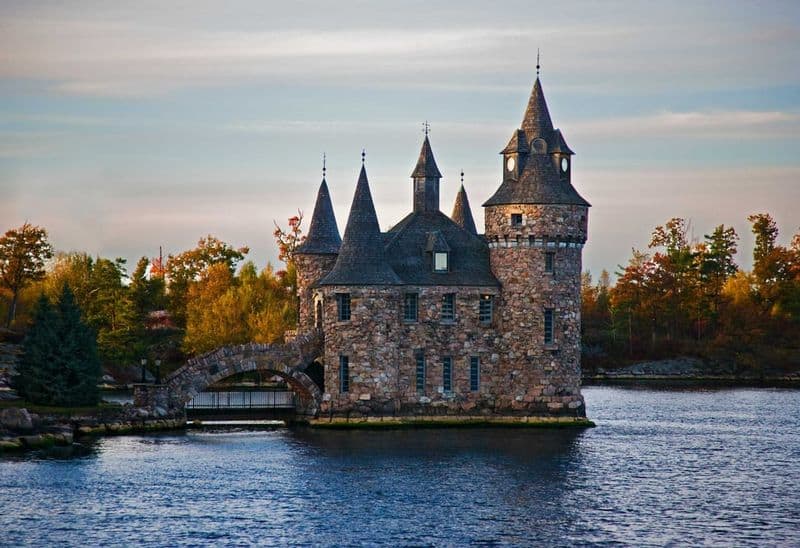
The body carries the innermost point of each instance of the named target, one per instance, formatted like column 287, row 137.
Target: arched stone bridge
column 288, row 361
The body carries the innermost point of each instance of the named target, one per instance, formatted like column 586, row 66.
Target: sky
column 125, row 126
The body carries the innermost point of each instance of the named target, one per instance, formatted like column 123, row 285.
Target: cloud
column 732, row 124
column 111, row 50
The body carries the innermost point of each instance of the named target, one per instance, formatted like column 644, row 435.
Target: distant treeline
column 691, row 298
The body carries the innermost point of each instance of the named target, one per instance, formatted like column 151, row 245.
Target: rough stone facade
column 528, row 263
column 310, row 269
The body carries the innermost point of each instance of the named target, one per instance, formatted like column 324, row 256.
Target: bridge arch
column 289, row 361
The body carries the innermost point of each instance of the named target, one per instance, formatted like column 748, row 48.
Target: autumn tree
column 187, row 267
column 23, row 254
column 148, row 293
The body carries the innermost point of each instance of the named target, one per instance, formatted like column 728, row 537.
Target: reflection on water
column 714, row 467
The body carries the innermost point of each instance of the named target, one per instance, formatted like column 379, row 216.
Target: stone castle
column 433, row 318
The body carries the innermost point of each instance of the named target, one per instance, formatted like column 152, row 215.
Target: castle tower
column 426, row 178
column 462, row 213
column 536, row 226
column 316, row 256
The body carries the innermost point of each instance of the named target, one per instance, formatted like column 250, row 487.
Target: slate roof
column 426, row 164
column 407, row 246
column 539, row 182
column 517, row 143
column 462, row 214
column 361, row 259
column 536, row 121
column 323, row 234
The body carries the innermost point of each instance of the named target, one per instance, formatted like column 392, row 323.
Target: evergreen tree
column 76, row 355
column 38, row 378
column 60, row 365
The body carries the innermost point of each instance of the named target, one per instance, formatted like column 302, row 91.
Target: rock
column 365, row 397
column 109, row 379
column 575, row 404
column 16, row 419
column 424, row 399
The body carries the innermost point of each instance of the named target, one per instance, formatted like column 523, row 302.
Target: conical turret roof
column 361, row 259
column 462, row 214
column 323, row 234
column 536, row 121
column 426, row 164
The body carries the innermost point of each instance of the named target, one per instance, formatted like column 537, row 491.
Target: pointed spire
column 323, row 234
column 361, row 257
column 536, row 121
column 462, row 214
column 426, row 164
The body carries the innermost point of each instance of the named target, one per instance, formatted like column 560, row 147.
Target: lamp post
column 144, row 362
column 158, row 371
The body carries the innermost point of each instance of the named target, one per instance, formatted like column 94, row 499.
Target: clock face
column 510, row 164
column 564, row 165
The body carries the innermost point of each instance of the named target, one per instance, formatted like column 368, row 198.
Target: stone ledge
column 445, row 421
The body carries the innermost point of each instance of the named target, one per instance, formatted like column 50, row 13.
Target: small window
column 447, row 373
column 474, row 373
column 485, row 309
column 410, row 307
column 343, row 306
column 549, row 314
column 344, row 374
column 516, row 219
column 448, row 307
column 549, row 261
column 440, row 261
column 420, row 359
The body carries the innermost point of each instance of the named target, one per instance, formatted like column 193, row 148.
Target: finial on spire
column 324, row 167
column 462, row 177
column 363, row 155
column 426, row 128
column 538, row 66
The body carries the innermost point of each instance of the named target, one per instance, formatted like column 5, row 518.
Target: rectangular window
column 344, row 374
column 440, row 262
column 410, row 307
column 516, row 219
column 448, row 307
column 447, row 373
column 485, row 309
column 420, row 358
column 343, row 306
column 549, row 261
column 474, row 373
column 548, row 325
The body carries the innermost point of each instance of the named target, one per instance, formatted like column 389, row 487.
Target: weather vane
column 538, row 66
column 426, row 128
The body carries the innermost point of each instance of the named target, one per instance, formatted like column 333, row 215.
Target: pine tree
column 77, row 355
column 38, row 378
column 60, row 365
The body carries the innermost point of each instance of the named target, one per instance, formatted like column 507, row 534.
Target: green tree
column 60, row 365
column 23, row 253
column 147, row 293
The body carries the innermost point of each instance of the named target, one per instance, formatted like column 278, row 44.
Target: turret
column 536, row 225
column 426, row 178
column 317, row 254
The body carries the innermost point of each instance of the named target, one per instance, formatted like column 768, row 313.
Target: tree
column 187, row 267
column 147, row 293
column 23, row 253
column 60, row 365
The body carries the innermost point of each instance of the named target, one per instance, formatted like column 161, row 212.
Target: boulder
column 16, row 419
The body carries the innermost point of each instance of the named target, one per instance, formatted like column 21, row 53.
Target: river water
column 711, row 467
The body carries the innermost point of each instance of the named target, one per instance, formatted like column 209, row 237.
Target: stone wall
column 547, row 375
column 310, row 269
column 381, row 348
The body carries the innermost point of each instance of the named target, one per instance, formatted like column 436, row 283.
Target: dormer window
column 441, row 261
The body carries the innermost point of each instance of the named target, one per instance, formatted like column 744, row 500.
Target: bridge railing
column 234, row 399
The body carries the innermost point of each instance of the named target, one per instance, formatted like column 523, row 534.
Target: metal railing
column 225, row 399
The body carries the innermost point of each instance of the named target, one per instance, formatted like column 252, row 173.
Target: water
column 716, row 467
